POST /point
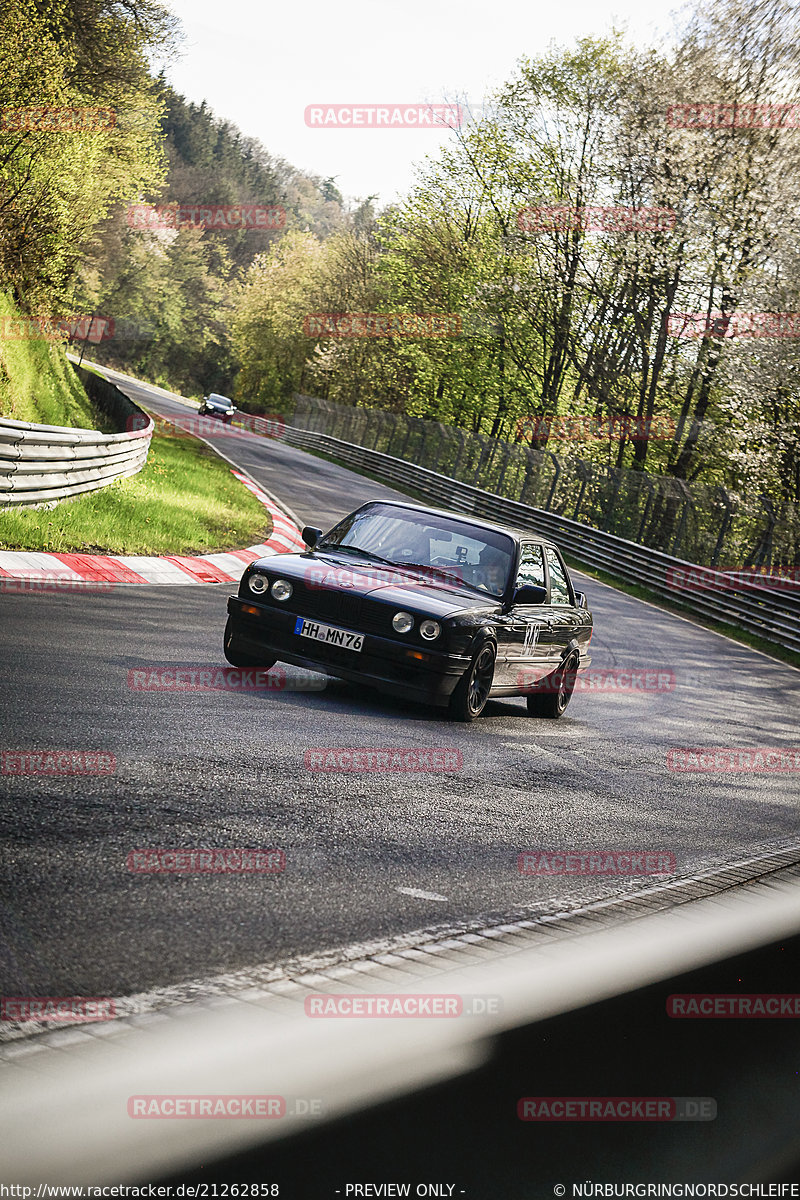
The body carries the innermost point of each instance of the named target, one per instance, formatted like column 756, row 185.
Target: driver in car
column 492, row 571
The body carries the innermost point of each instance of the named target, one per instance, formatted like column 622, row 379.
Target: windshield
column 480, row 558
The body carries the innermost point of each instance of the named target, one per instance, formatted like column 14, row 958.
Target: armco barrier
column 700, row 522
column 767, row 613
column 41, row 463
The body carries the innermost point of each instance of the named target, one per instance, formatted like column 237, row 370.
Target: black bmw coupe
column 434, row 607
column 215, row 405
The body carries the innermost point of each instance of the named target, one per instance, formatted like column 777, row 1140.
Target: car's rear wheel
column 236, row 658
column 556, row 691
column 472, row 691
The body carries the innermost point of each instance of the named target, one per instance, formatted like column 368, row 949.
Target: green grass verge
column 773, row 649
column 184, row 501
column 38, row 384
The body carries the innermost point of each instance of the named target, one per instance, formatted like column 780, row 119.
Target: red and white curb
column 66, row 571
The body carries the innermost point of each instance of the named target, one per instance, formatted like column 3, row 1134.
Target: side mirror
column 580, row 600
column 530, row 593
column 311, row 536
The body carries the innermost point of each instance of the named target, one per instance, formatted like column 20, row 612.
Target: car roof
column 216, row 396
column 519, row 535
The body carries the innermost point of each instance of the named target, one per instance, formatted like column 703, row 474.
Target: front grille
column 325, row 604
column 336, row 607
column 376, row 618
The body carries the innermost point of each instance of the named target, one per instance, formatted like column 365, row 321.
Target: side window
column 559, row 588
column 531, row 567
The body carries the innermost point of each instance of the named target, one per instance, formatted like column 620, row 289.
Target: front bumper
column 430, row 676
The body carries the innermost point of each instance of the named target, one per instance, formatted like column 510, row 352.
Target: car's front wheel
column 238, row 659
column 472, row 691
column 556, row 691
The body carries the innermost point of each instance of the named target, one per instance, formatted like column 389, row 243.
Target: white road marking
column 420, row 895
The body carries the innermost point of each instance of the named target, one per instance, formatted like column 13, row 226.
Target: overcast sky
column 260, row 64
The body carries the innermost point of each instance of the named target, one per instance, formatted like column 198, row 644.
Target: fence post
column 584, row 472
column 556, row 477
column 725, row 524
column 763, row 548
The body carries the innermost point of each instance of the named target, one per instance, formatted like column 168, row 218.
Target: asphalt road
column 221, row 768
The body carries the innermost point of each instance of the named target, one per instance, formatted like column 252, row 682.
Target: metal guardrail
column 701, row 522
column 41, row 463
column 763, row 611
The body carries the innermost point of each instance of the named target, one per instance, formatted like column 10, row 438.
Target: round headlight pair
column 281, row 588
column 403, row 622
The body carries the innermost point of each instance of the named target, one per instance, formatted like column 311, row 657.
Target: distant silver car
column 217, row 406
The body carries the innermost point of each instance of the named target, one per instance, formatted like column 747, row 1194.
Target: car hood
column 219, row 404
column 400, row 586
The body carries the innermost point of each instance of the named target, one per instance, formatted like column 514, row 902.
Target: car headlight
column 258, row 583
column 402, row 622
column 430, row 630
column 281, row 589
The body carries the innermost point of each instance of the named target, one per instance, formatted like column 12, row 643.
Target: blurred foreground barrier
column 147, row 1095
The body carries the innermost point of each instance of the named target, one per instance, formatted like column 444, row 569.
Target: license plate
column 329, row 634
